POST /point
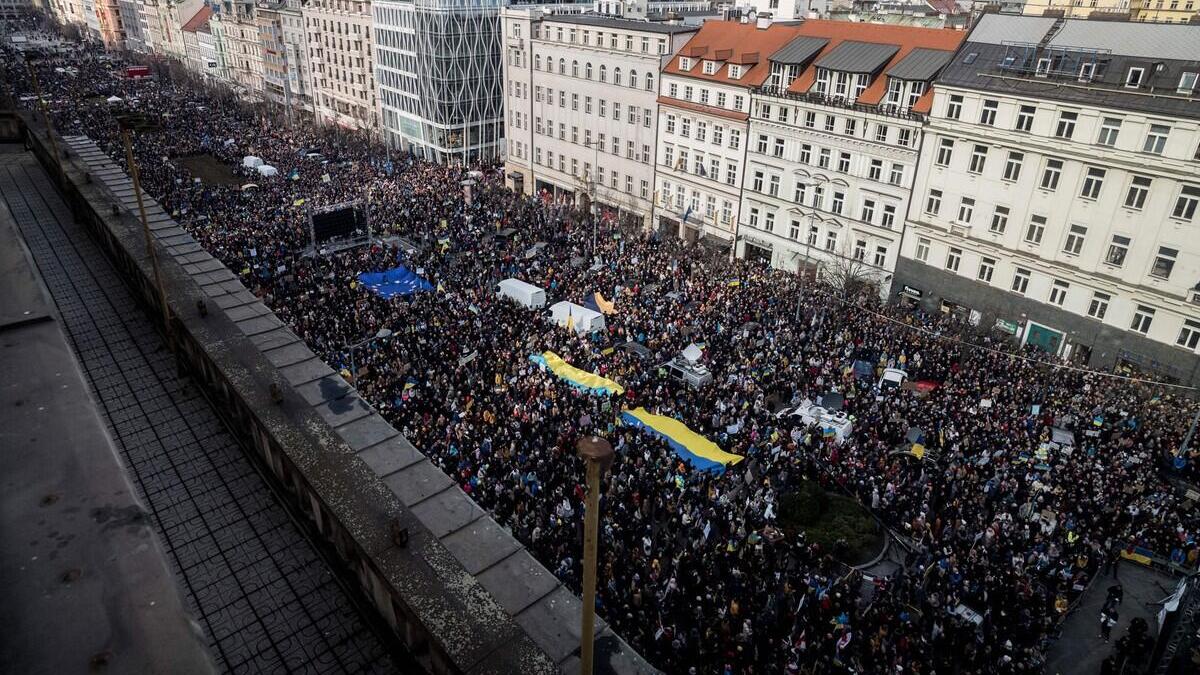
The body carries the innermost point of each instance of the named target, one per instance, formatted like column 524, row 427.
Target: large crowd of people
column 693, row 572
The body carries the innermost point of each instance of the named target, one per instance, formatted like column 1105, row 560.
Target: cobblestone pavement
column 265, row 597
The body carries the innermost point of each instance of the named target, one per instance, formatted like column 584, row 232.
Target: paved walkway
column 263, row 594
column 1080, row 649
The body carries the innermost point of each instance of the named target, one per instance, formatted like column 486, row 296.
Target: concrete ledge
column 464, row 595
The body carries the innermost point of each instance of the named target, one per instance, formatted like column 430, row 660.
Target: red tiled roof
column 734, row 42
column 907, row 38
column 201, row 18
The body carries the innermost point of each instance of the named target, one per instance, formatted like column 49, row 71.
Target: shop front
column 754, row 251
column 1043, row 337
column 909, row 297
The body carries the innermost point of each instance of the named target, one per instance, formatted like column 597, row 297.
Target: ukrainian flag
column 703, row 454
column 577, row 377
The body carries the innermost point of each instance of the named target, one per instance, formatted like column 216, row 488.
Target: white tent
column 576, row 317
column 252, row 162
column 693, row 352
column 114, row 99
column 267, row 170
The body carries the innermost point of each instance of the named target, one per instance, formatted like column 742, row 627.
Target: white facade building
column 1069, row 214
column 581, row 101
column 703, row 127
column 833, row 147
column 340, row 58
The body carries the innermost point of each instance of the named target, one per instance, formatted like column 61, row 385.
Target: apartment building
column 581, row 101
column 165, row 21
column 1165, row 11
column 833, row 144
column 340, row 62
column 1075, row 9
column 295, row 55
column 133, row 20
column 108, row 18
column 1058, row 192
column 198, row 60
column 704, row 113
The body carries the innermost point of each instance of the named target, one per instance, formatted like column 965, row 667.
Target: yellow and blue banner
column 703, row 454
column 576, row 377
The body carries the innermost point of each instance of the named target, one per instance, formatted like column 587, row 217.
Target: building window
column 777, row 148
column 954, row 107
column 1075, row 237
column 823, row 158
column 1025, row 118
column 1156, row 139
column 1139, row 187
column 1066, row 124
column 1133, row 78
column 830, row 123
column 953, row 259
column 868, row 211
column 838, row 203
column 922, row 249
column 966, row 209
column 1092, row 183
column 1164, row 262
column 934, row 203
column 1110, row 128
column 1012, row 167
column 1185, row 205
column 843, row 162
column 718, row 134
column 831, row 241
column 1098, row 307
column 987, row 266
column 1143, row 316
column 1051, row 174
column 735, row 139
column 1117, row 251
column 987, row 114
column 880, row 256
column 710, row 67
column 1189, row 335
column 978, row 159
column 757, row 183
column 753, row 218
column 806, row 154
column 1058, row 292
column 1020, row 281
column 896, row 176
column 999, row 220
column 860, row 249
column 904, row 138
column 945, row 152
column 888, row 218
column 773, row 186
column 881, row 133
column 1037, row 228
column 1187, row 82
column 875, row 171
column 851, row 126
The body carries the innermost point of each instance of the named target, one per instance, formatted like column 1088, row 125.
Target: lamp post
column 807, row 246
column 130, row 123
column 383, row 334
column 597, row 453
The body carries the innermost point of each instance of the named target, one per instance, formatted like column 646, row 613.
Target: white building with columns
column 1058, row 197
column 581, row 95
column 833, row 146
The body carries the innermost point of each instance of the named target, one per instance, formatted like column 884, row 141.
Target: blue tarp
column 396, row 281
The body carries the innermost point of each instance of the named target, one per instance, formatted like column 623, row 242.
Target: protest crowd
column 694, row 571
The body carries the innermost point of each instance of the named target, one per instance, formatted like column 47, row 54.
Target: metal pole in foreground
column 37, row 90
column 126, row 125
column 598, row 454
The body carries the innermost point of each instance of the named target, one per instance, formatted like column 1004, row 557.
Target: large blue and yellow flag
column 577, row 377
column 703, row 454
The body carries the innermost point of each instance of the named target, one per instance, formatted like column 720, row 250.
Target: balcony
column 839, row 102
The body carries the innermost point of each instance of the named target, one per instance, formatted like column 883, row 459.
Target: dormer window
column 735, row 71
column 1087, row 71
column 685, row 63
column 822, row 84
column 915, row 91
column 895, row 91
column 710, row 67
column 1187, row 83
column 1133, row 79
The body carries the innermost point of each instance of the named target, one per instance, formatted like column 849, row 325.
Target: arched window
column 603, row 73
column 574, row 69
column 617, row 76
column 562, row 66
column 633, row 79
column 587, row 70
column 649, row 81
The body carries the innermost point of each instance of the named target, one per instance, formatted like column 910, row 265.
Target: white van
column 581, row 319
column 526, row 294
column 891, row 380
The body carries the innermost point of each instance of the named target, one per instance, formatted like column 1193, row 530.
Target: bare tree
column 846, row 276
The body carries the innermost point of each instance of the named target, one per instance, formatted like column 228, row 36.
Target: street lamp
column 383, row 334
column 597, row 453
column 807, row 245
